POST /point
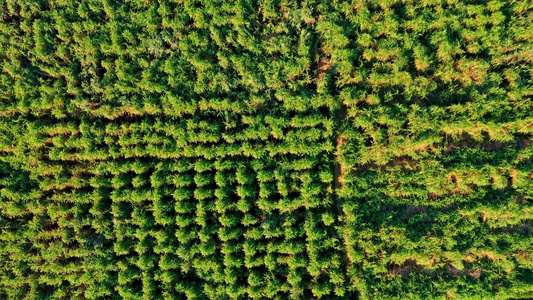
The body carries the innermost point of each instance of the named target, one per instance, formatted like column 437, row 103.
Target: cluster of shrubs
column 266, row 149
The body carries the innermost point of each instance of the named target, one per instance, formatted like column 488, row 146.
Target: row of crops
column 266, row 149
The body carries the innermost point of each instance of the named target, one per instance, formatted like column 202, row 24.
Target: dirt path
column 339, row 170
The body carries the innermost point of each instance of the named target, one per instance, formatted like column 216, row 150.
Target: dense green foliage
column 266, row 149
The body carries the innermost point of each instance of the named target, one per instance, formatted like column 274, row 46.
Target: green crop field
column 266, row 149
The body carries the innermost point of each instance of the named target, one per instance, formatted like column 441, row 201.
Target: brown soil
column 339, row 168
column 411, row 265
column 322, row 67
column 466, row 141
